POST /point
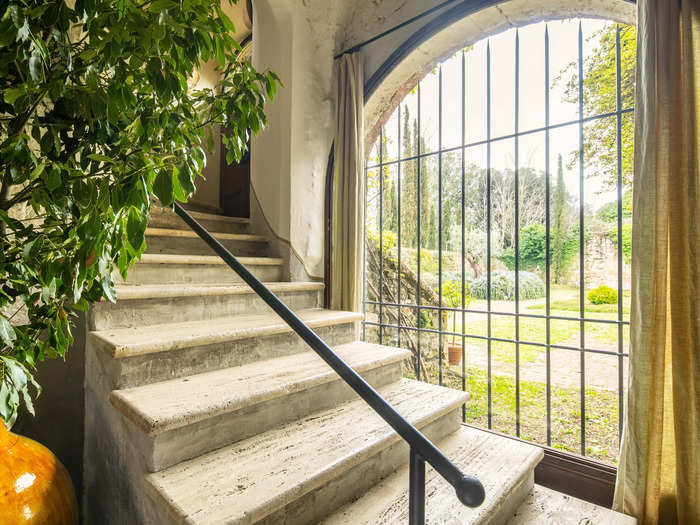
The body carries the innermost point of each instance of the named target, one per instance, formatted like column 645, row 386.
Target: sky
column 563, row 50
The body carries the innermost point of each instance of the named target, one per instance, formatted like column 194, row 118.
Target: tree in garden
column 559, row 232
column 600, row 96
column 532, row 249
column 409, row 184
column 96, row 119
column 389, row 201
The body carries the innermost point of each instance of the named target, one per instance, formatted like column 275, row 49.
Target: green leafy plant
column 626, row 240
column 452, row 297
column 602, row 295
column 388, row 240
column 532, row 249
column 530, row 286
column 98, row 116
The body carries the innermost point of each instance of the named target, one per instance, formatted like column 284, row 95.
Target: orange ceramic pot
column 454, row 354
column 35, row 487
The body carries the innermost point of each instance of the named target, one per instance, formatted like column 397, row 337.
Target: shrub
column 533, row 242
column 503, row 286
column 602, row 295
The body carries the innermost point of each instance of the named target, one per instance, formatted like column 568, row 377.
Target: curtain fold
column 659, row 473
column 348, row 186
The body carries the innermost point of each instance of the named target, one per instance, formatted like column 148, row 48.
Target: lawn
column 601, row 401
column 601, row 411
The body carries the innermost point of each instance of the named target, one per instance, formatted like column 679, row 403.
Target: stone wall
column 600, row 264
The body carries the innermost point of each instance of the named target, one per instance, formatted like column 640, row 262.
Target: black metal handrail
column 469, row 489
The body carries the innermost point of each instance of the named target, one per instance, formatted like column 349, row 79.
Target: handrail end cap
column 470, row 491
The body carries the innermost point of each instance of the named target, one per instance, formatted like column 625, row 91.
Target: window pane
column 502, row 84
column 429, row 112
column 563, row 70
column 532, row 86
column 475, row 93
column 452, row 101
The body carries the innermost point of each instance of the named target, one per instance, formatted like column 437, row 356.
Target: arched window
column 498, row 225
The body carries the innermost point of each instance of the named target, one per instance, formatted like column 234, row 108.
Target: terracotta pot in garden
column 35, row 488
column 454, row 353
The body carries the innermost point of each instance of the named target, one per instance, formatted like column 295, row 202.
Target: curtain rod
column 395, row 28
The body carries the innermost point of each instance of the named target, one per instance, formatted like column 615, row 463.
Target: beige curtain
column 659, row 474
column 348, row 186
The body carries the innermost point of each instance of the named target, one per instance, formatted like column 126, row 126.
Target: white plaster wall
column 298, row 39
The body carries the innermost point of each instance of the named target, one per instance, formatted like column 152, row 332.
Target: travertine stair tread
column 124, row 342
column 247, row 481
column 166, row 258
column 175, row 403
column 214, row 216
column 126, row 291
column 191, row 234
column 548, row 507
column 499, row 463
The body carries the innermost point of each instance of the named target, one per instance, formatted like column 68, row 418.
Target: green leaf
column 7, row 332
column 184, row 177
column 12, row 94
column 101, row 158
column 135, row 230
column 36, row 172
column 163, row 187
column 225, row 20
column 52, row 179
column 108, row 289
column 36, row 70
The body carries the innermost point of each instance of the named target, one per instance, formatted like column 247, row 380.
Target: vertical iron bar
column 618, row 108
column 440, row 338
column 418, row 239
column 381, row 233
column 516, row 182
column 464, row 339
column 582, row 282
column 398, row 227
column 488, row 227
column 547, row 240
column 416, row 490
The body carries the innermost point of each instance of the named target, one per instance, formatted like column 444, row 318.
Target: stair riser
column 196, row 246
column 142, row 312
column 148, row 273
column 511, row 501
column 161, row 219
column 138, row 370
column 171, row 447
column 313, row 506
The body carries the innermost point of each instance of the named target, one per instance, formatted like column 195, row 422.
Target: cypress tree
column 558, row 233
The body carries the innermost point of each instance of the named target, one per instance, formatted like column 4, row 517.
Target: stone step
column 155, row 268
column 129, row 357
column 167, row 218
column 147, row 304
column 548, row 507
column 504, row 466
column 175, row 241
column 299, row 472
column 184, row 418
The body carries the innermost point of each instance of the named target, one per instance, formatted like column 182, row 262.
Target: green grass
column 572, row 305
column 601, row 413
column 601, row 404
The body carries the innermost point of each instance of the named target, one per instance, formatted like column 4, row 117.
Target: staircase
column 202, row 405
